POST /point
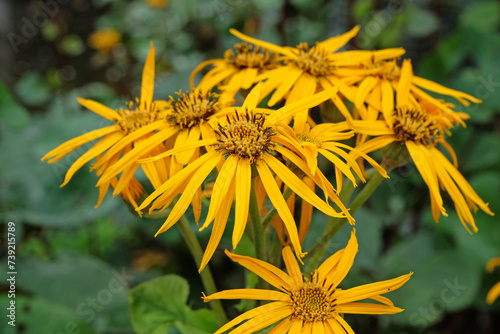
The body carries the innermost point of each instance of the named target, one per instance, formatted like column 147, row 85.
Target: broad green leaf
column 11, row 113
column 160, row 304
column 482, row 15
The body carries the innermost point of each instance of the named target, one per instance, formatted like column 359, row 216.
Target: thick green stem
column 206, row 275
column 317, row 253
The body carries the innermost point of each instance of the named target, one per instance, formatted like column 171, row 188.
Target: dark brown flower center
column 312, row 302
column 192, row 108
column 313, row 60
column 245, row 136
column 248, row 55
column 417, row 126
column 136, row 116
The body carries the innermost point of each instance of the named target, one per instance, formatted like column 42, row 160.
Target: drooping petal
column 367, row 308
column 242, row 199
column 291, row 265
column 100, row 109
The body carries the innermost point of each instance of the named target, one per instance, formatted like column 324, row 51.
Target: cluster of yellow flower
column 255, row 153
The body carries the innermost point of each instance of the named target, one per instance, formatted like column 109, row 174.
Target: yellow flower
column 420, row 128
column 243, row 142
column 379, row 75
column 306, row 70
column 104, row 39
column 305, row 305
column 495, row 290
column 238, row 70
column 132, row 125
column 186, row 120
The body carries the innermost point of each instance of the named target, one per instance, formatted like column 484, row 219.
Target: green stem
column 206, row 275
column 318, row 251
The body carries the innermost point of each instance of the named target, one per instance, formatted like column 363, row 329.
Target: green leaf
column 160, row 304
column 32, row 90
column 98, row 291
column 38, row 315
column 421, row 22
column 483, row 16
column 11, row 113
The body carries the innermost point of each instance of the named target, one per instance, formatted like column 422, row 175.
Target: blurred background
column 76, row 263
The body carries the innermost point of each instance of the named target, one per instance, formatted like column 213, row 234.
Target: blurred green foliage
column 76, row 263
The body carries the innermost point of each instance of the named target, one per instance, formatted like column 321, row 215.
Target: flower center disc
column 135, row 118
column 312, row 302
column 313, row 61
column 244, row 136
column 248, row 56
column 192, row 108
column 417, row 126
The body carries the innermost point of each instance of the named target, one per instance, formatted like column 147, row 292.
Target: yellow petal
column 279, row 203
column 221, row 188
column 148, row 78
column 493, row 293
column 344, row 324
column 405, row 79
column 254, row 294
column 266, row 45
column 334, row 43
column 369, row 290
column 282, row 327
column 494, row 262
column 291, row 265
column 345, row 262
column 292, row 75
column 197, row 69
column 69, row 146
column 366, row 308
column 253, row 98
column 100, row 109
column 335, row 327
column 242, row 199
column 218, row 229
column 101, row 146
column 440, row 89
column 274, row 276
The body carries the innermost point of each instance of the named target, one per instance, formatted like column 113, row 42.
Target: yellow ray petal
column 421, row 157
column 100, row 109
column 369, row 290
column 253, row 98
column 197, row 69
column 298, row 187
column 345, row 262
column 266, row 45
column 249, row 77
column 200, row 143
column 367, row 308
column 178, row 178
column 263, row 320
column 148, row 78
column 303, row 88
column 329, row 266
column 137, row 152
column 292, row 75
column 242, row 199
column 296, row 327
column 364, row 89
column 187, row 195
column 101, row 146
column 387, row 102
column 219, row 227
column 254, row 294
column 291, row 265
column 344, row 324
column 282, row 327
column 440, row 89
column 405, row 79
column 249, row 315
column 274, row 276
column 493, row 293
column 221, row 188
column 335, row 327
column 295, row 107
column 69, row 146
column 492, row 263
column 279, row 203
column 334, row 43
